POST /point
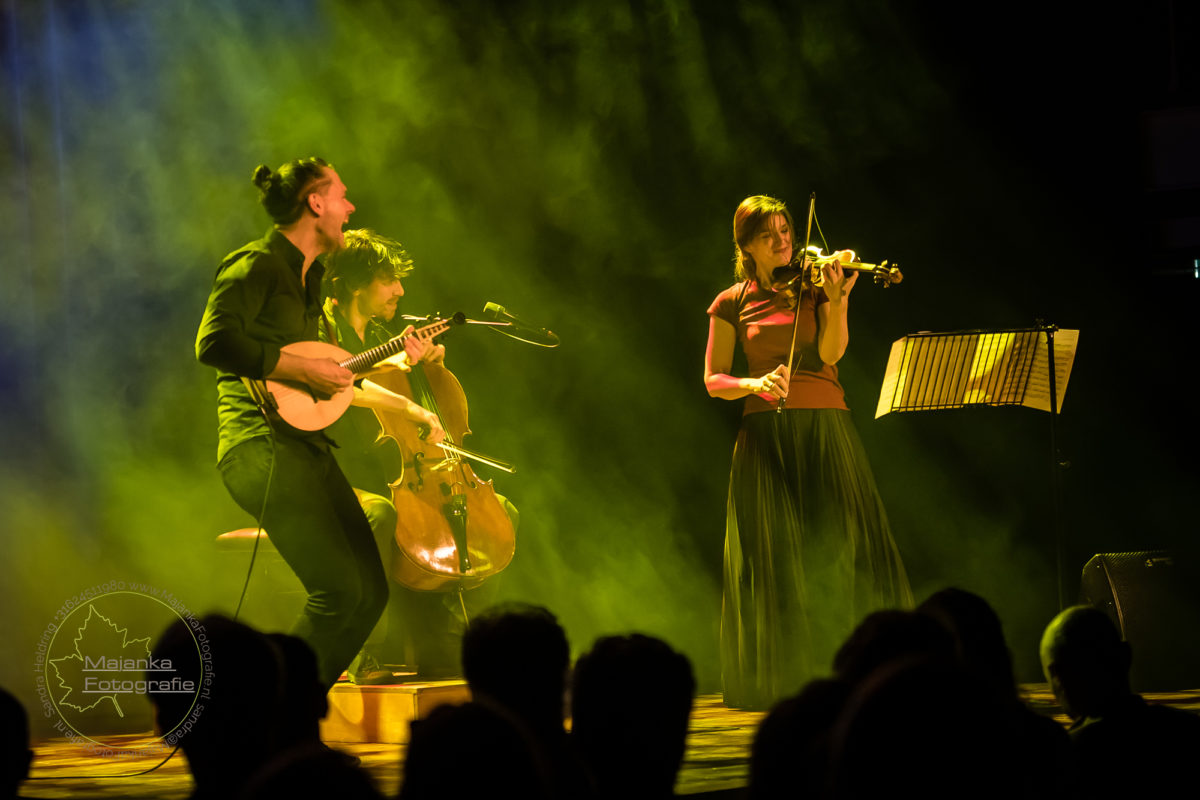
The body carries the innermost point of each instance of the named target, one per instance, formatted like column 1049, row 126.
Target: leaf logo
column 100, row 647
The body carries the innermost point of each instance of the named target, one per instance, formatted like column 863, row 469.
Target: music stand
column 931, row 371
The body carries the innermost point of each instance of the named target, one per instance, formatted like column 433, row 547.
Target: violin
column 807, row 270
column 452, row 531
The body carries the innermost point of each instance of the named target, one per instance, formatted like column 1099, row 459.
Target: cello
column 452, row 532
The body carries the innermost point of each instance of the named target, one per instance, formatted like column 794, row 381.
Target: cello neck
column 424, row 396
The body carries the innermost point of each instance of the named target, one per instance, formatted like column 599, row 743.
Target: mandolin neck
column 369, row 358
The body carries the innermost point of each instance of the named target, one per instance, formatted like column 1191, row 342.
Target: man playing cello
column 363, row 287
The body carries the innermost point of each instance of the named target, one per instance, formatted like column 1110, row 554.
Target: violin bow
column 812, row 208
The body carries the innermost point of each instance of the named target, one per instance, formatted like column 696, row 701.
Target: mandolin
column 306, row 409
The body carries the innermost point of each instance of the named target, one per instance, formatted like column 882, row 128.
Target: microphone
column 514, row 326
column 496, row 311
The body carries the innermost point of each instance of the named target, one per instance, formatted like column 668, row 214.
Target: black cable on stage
column 262, row 514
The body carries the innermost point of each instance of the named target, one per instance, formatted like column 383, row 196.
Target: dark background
column 579, row 163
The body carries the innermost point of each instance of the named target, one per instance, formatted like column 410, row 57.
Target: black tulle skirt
column 808, row 552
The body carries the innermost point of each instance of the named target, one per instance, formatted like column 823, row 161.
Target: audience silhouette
column 305, row 702
column 860, row 732
column 790, row 757
column 1123, row 746
column 256, row 734
column 884, row 637
column 631, row 697
column 471, row 751
column 922, row 701
column 15, row 755
column 516, row 657
column 304, row 767
column 234, row 732
column 1043, row 748
column 310, row 772
column 904, row 727
column 798, row 743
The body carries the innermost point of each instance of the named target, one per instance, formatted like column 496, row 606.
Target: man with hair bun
column 266, row 295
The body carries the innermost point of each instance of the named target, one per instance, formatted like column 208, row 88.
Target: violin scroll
column 883, row 275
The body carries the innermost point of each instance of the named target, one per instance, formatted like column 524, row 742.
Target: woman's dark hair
column 363, row 257
column 284, row 192
column 752, row 213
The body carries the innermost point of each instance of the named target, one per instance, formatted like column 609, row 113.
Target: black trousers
column 315, row 522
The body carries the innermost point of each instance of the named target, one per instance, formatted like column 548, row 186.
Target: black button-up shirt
column 258, row 304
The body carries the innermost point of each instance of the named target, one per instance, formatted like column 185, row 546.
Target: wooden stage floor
column 717, row 758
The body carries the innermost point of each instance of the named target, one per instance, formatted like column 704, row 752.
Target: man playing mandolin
column 265, row 298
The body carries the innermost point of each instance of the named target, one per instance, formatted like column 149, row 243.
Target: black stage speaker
column 1152, row 598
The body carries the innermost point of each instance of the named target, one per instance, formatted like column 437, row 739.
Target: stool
column 282, row 594
column 242, row 540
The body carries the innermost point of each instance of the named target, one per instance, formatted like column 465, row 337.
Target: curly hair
column 365, row 256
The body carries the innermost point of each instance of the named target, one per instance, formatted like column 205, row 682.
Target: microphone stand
column 412, row 319
column 510, row 329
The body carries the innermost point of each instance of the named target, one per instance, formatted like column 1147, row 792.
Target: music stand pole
column 1056, row 465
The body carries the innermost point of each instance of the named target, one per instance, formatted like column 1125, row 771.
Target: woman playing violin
column 808, row 549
